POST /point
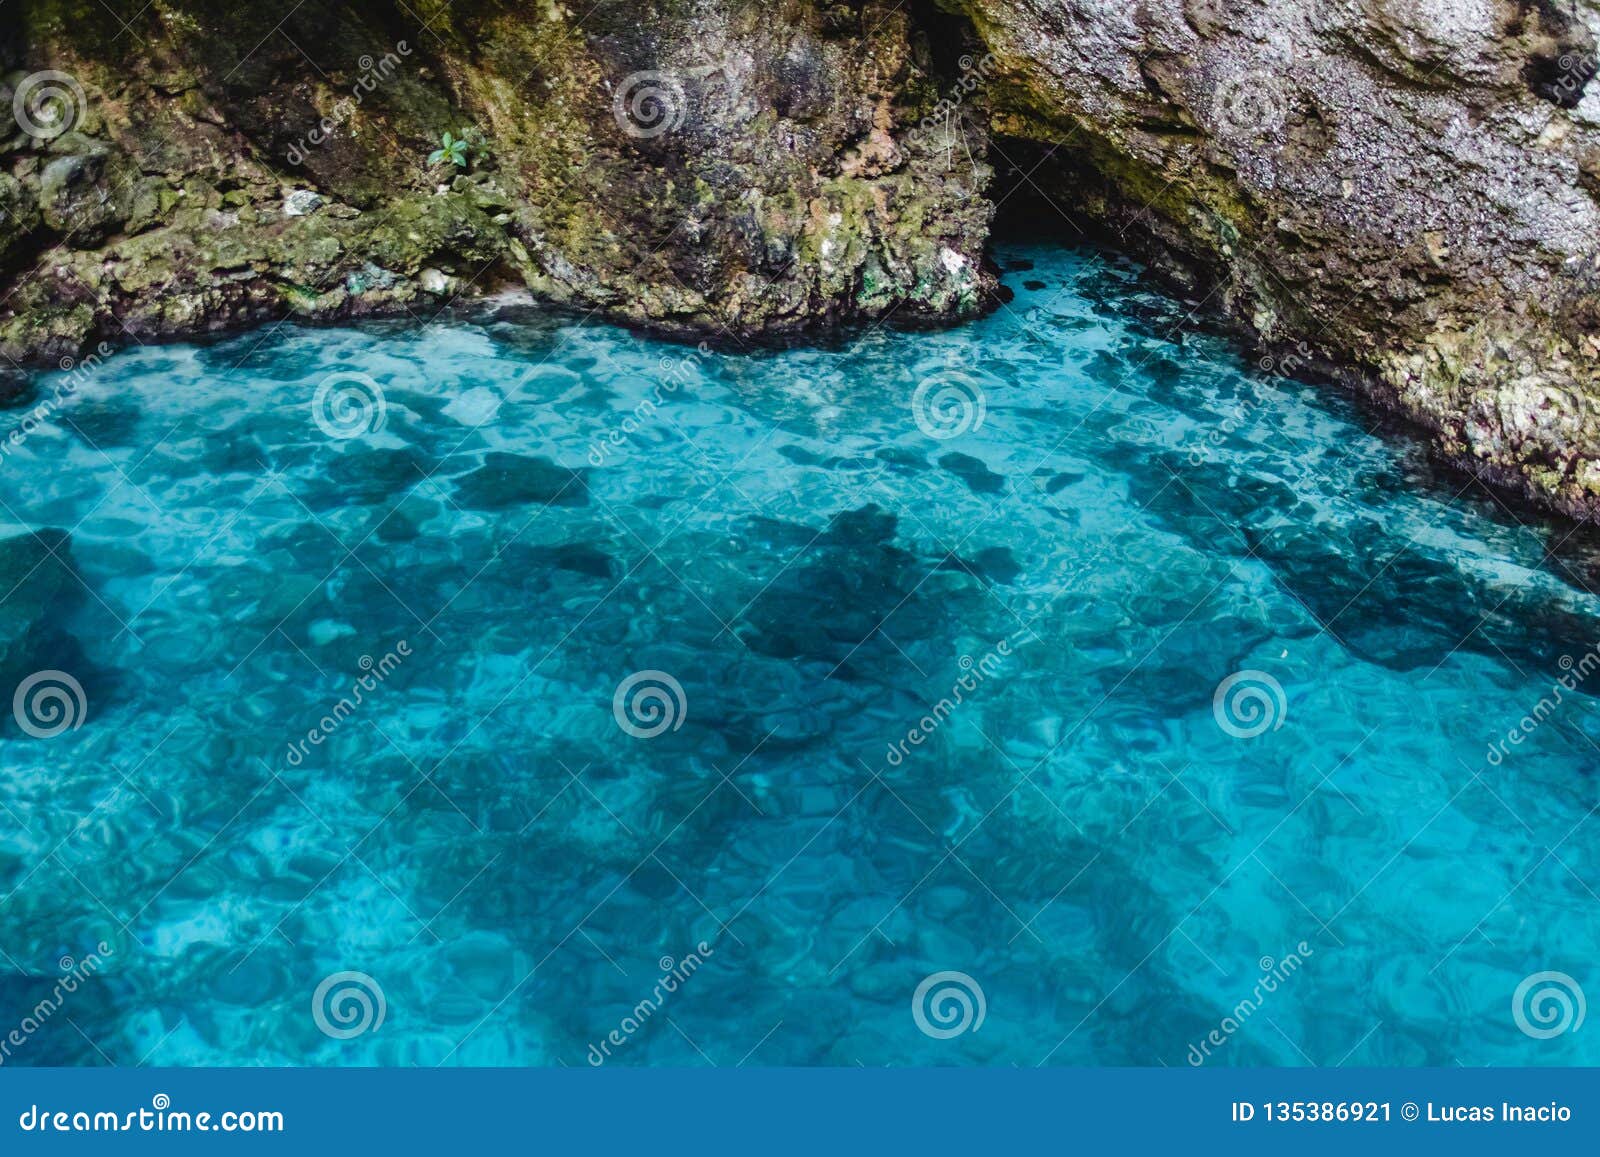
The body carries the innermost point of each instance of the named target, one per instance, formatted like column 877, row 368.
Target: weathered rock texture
column 691, row 166
column 1406, row 187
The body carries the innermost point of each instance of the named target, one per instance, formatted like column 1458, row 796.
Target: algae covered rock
column 727, row 167
column 1400, row 189
column 1403, row 193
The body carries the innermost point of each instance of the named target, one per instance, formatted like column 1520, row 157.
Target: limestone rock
column 725, row 167
column 1402, row 189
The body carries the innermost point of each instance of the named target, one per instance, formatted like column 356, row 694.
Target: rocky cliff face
column 1404, row 191
column 1402, row 187
column 715, row 166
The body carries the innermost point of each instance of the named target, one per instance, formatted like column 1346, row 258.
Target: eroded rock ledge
column 712, row 167
column 1403, row 190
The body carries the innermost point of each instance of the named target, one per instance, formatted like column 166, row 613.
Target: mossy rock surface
column 681, row 166
column 1404, row 194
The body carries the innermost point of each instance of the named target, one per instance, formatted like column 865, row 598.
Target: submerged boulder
column 507, row 479
column 35, row 580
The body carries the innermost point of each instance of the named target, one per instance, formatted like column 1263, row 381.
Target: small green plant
column 452, row 149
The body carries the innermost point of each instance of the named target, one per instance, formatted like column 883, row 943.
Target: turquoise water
column 514, row 853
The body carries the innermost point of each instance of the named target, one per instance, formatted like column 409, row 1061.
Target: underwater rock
column 59, row 1018
column 34, row 577
column 507, row 479
column 373, row 475
column 533, row 561
column 993, row 564
column 974, row 472
column 1406, row 610
column 850, row 584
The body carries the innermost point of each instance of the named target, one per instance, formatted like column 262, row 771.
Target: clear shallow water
column 1080, row 836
